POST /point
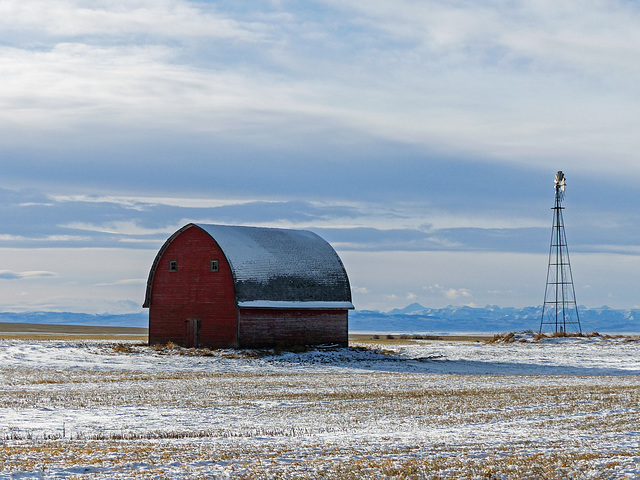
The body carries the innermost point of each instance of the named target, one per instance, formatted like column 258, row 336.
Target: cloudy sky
column 420, row 138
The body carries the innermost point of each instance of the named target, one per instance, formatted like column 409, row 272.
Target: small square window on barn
column 173, row 265
column 214, row 265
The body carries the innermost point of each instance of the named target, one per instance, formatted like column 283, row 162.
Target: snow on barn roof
column 278, row 268
column 282, row 265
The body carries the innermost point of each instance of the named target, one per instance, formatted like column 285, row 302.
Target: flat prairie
column 34, row 331
column 383, row 408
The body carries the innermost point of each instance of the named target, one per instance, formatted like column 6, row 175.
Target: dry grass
column 122, row 348
column 341, row 400
column 523, row 337
column 279, row 424
column 502, row 338
column 164, row 347
column 438, row 461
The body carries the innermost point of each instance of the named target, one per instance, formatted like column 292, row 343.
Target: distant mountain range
column 414, row 318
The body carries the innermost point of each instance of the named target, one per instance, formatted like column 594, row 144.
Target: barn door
column 193, row 332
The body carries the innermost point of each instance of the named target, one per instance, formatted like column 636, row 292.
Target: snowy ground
column 561, row 408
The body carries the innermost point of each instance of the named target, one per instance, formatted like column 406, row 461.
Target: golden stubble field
column 259, row 418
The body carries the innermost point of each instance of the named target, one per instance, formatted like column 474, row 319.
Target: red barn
column 227, row 286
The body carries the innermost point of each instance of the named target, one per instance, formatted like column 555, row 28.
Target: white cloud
column 478, row 78
column 448, row 292
column 140, row 202
column 164, row 18
column 126, row 89
column 485, row 77
column 13, row 275
column 585, row 34
column 43, row 239
column 107, row 85
column 360, row 290
column 77, row 271
column 128, row 281
column 121, row 228
column 10, row 238
column 456, row 293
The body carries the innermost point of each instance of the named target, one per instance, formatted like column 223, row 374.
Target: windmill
column 559, row 311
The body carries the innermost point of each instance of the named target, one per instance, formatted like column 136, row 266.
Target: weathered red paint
column 273, row 327
column 193, row 292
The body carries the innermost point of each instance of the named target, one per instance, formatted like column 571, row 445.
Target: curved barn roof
column 280, row 268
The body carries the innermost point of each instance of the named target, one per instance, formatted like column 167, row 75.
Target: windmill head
column 560, row 181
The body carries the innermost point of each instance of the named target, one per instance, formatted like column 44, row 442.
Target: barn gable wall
column 193, row 292
column 277, row 327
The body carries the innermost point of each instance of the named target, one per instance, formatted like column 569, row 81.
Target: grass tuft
column 502, row 338
column 122, row 348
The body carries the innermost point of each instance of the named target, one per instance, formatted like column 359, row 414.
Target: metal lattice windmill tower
column 559, row 312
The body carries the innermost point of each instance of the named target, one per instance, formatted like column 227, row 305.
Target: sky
column 421, row 139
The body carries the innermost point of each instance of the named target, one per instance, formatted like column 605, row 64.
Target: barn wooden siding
column 274, row 327
column 193, row 291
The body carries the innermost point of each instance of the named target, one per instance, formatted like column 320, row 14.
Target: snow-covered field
column 561, row 408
